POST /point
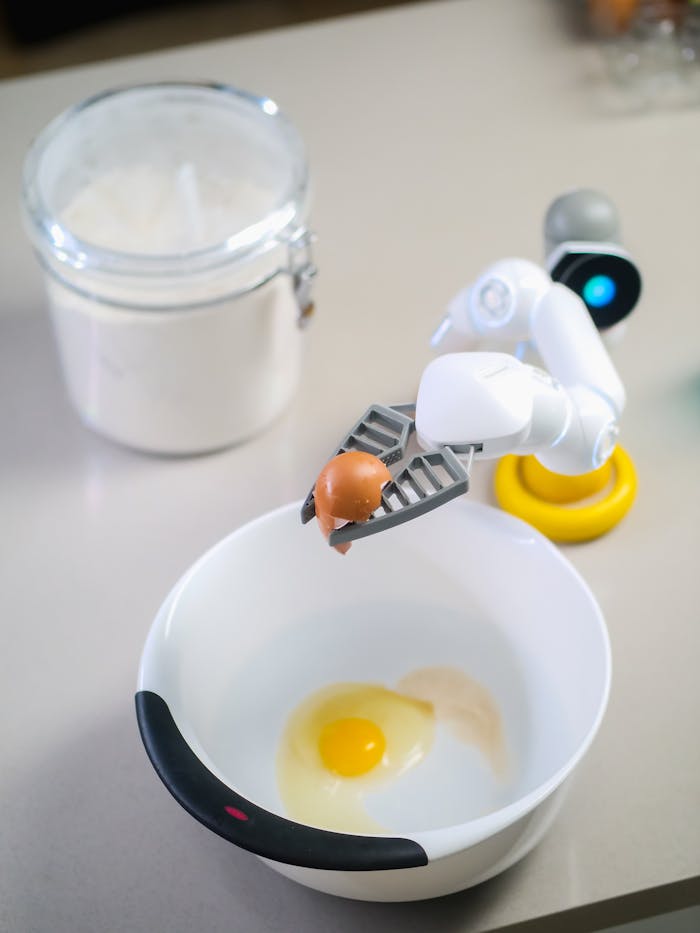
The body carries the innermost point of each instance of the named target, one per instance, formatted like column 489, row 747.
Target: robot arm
column 515, row 300
column 486, row 404
column 496, row 405
column 496, row 307
column 581, row 237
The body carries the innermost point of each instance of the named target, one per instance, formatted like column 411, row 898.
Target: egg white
column 316, row 796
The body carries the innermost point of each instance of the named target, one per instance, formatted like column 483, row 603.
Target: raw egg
column 347, row 740
column 344, row 741
column 349, row 489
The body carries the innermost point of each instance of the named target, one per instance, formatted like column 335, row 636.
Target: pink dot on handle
column 236, row 813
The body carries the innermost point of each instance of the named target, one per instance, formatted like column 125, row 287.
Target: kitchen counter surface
column 437, row 135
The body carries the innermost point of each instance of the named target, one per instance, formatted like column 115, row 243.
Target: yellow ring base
column 555, row 487
column 519, row 490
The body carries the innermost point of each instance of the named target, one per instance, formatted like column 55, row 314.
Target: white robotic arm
column 567, row 416
column 497, row 306
column 487, row 404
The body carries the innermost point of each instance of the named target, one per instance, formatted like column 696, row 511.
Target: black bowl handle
column 226, row 813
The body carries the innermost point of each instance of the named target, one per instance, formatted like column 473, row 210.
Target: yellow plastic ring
column 562, row 523
column 558, row 488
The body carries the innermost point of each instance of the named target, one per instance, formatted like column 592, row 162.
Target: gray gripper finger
column 430, row 480
column 382, row 431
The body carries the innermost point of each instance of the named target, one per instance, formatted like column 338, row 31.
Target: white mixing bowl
column 271, row 614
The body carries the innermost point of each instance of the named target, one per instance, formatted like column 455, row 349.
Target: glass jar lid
column 165, row 181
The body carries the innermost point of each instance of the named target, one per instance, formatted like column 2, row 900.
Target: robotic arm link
column 485, row 404
column 567, row 415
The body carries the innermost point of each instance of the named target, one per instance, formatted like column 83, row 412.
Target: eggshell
column 349, row 489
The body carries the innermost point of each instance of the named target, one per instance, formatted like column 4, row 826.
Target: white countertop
column 437, row 135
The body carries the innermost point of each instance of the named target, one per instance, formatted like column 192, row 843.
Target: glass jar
column 170, row 221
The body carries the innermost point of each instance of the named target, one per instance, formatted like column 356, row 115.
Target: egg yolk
column 351, row 747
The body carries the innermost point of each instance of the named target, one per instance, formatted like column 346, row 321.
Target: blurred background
column 650, row 49
column 36, row 36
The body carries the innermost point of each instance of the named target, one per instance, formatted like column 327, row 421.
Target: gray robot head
column 581, row 233
column 581, row 215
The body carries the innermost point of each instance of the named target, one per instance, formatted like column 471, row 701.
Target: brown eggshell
column 349, row 488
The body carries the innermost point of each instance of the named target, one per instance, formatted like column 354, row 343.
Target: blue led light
column 599, row 291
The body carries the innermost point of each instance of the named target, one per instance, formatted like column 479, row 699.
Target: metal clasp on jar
column 303, row 272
